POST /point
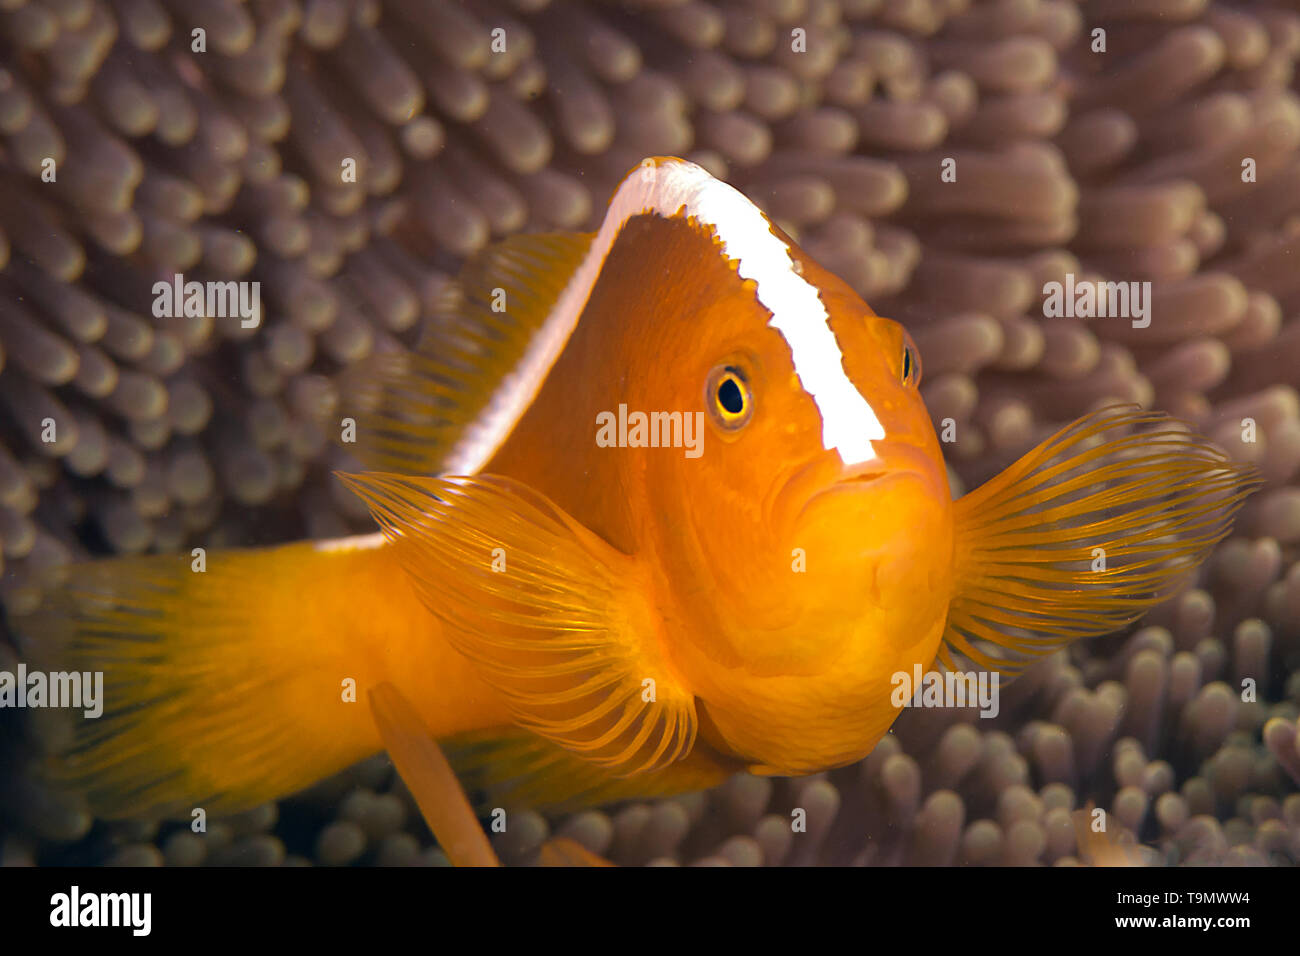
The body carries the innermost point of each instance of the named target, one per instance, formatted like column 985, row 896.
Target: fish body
column 656, row 503
column 717, row 540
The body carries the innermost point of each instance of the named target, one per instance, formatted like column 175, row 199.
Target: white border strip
column 849, row 424
column 356, row 542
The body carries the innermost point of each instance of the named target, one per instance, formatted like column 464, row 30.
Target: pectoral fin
column 1084, row 533
column 509, row 767
column 551, row 615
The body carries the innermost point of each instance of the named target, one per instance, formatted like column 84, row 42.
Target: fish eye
column 911, row 365
column 729, row 398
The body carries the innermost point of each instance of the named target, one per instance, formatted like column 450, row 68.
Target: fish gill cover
column 976, row 169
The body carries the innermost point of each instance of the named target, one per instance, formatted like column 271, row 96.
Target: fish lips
column 894, row 462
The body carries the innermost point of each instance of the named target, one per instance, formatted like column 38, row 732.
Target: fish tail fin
column 223, row 674
column 1084, row 533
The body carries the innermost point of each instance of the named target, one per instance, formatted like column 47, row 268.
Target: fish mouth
column 867, row 477
column 855, row 483
column 875, row 476
column 894, row 460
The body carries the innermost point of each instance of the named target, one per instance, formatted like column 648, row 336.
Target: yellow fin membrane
column 224, row 687
column 438, row 792
column 551, row 616
column 508, row 767
column 561, row 851
column 1084, row 533
column 428, row 406
column 430, row 779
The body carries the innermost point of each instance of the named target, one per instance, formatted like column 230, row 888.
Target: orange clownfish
column 690, row 516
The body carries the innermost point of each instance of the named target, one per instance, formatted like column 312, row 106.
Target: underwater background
column 1120, row 155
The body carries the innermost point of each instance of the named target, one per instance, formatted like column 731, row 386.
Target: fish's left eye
column 911, row 366
column 730, row 401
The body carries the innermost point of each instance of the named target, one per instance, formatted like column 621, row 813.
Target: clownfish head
column 805, row 547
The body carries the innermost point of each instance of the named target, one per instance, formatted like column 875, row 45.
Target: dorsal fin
column 450, row 406
column 445, row 407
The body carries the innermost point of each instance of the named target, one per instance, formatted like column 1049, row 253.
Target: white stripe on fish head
column 849, row 424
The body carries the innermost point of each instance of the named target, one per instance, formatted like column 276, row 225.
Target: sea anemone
column 947, row 158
